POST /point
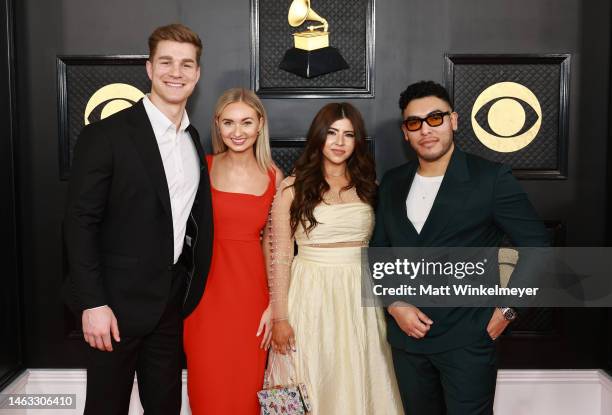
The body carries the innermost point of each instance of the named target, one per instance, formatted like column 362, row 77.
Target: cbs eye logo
column 110, row 99
column 506, row 117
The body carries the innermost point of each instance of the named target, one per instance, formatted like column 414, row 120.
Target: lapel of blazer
column 454, row 188
column 141, row 133
column 204, row 181
column 195, row 137
column 398, row 204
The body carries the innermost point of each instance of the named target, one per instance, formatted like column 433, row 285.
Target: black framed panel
column 11, row 346
column 90, row 88
column 557, row 233
column 540, row 322
column 352, row 33
column 515, row 110
column 538, row 328
column 285, row 151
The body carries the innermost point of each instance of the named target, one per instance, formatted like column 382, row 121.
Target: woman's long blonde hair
column 263, row 154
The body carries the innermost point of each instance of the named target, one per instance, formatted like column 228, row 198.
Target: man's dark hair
column 423, row 89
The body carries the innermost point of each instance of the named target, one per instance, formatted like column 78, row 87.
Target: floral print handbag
column 281, row 394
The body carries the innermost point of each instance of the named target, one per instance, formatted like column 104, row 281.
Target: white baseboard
column 519, row 392
column 606, row 393
column 559, row 392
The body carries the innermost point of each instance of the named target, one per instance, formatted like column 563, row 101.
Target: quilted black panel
column 535, row 321
column 542, row 79
column 83, row 80
column 540, row 321
column 347, row 26
column 285, row 157
column 285, row 152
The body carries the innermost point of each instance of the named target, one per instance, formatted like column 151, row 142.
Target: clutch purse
column 281, row 393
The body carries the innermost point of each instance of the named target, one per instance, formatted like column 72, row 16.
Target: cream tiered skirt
column 342, row 353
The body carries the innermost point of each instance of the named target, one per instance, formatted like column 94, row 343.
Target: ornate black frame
column 12, row 293
column 300, row 92
column 299, row 142
column 62, row 96
column 563, row 60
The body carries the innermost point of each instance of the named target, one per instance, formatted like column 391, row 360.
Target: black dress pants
column 456, row 382
column 156, row 358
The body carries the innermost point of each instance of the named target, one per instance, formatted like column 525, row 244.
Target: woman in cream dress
column 338, row 347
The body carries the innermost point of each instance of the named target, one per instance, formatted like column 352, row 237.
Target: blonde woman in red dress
column 227, row 336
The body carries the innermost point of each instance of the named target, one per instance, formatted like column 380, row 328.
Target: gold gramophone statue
column 311, row 55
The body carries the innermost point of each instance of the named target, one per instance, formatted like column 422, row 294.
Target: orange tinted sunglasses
column 433, row 120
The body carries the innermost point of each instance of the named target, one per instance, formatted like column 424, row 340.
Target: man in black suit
column 138, row 232
column 444, row 358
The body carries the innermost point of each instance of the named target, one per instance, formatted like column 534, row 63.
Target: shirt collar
column 159, row 121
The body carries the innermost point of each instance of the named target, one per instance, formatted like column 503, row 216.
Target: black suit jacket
column 118, row 228
column 478, row 202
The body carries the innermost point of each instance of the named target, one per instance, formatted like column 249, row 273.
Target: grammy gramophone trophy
column 311, row 55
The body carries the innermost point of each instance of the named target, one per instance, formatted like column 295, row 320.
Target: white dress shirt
column 181, row 166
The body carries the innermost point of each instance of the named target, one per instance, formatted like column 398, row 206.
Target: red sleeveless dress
column 225, row 366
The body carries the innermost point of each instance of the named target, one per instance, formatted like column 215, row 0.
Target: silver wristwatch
column 508, row 312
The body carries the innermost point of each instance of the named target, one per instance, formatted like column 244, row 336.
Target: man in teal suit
column 444, row 358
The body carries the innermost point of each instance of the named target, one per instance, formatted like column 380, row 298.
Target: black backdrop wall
column 609, row 228
column 11, row 357
column 411, row 39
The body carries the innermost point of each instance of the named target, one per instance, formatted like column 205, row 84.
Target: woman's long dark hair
column 310, row 184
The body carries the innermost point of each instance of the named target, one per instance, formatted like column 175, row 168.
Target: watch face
column 509, row 314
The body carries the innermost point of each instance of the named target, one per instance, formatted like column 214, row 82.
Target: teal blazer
column 478, row 202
